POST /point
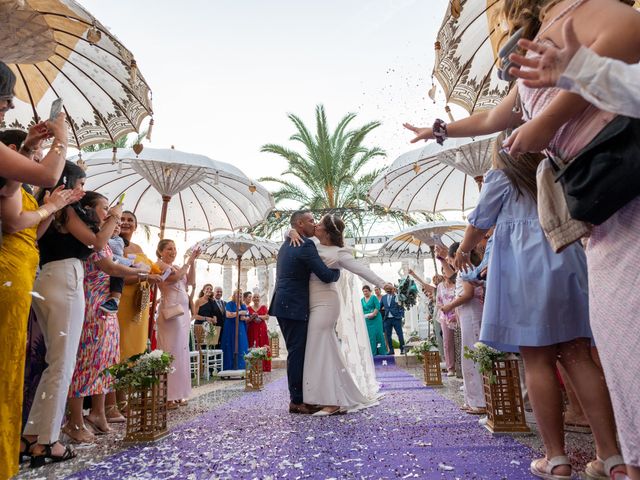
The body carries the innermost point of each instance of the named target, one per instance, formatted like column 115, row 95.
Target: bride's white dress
column 338, row 364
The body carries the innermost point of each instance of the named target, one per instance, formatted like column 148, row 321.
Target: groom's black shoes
column 303, row 408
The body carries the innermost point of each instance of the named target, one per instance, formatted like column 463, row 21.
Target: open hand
column 422, row 133
column 61, row 197
column 533, row 136
column 295, row 238
column 546, row 70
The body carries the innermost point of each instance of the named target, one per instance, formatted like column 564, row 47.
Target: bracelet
column 463, row 253
column 43, row 213
column 26, row 150
column 59, row 148
column 440, row 131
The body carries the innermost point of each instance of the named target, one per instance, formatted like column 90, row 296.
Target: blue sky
column 224, row 74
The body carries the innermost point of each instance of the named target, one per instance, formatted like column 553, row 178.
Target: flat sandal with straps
column 41, row 460
column 592, row 473
column 551, row 463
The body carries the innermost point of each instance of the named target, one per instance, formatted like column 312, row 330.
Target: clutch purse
column 172, row 311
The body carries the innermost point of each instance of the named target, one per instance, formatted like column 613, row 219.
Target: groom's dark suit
column 290, row 303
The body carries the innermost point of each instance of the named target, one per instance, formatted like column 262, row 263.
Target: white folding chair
column 194, row 358
column 211, row 358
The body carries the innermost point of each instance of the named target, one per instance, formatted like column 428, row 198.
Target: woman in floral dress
column 99, row 341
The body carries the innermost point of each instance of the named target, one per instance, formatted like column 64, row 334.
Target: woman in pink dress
column 445, row 294
column 174, row 319
column 257, row 327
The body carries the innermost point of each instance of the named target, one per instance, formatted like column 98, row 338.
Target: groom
column 290, row 302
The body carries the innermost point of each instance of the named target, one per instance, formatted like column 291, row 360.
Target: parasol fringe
column 447, row 109
column 114, row 158
column 134, row 71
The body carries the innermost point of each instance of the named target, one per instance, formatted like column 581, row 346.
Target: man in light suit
column 393, row 318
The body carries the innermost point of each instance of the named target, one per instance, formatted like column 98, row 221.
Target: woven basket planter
column 274, row 346
column 431, row 366
column 505, row 406
column 254, row 376
column 147, row 412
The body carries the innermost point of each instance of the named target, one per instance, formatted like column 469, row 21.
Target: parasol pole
column 163, row 219
column 235, row 347
column 432, row 249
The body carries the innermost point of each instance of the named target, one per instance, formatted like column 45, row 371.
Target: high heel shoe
column 78, row 434
column 326, row 413
column 41, row 459
column 97, row 429
column 24, row 455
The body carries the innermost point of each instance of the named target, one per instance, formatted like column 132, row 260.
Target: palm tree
column 330, row 176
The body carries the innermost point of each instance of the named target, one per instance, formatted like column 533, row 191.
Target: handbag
column 605, row 175
column 141, row 301
column 172, row 311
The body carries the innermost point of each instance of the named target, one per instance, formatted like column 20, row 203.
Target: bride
column 338, row 369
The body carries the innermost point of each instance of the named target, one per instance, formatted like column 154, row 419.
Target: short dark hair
column 474, row 257
column 295, row 216
column 13, row 136
column 367, row 287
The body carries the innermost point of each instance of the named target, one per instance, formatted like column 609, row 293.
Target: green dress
column 374, row 325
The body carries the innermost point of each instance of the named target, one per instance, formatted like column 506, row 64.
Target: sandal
column 172, row 405
column 114, row 415
column 551, row 463
column 97, row 430
column 476, row 411
column 23, row 455
column 594, row 473
column 40, row 460
column 78, row 434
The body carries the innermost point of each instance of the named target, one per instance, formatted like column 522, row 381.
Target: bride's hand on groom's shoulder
column 295, row 238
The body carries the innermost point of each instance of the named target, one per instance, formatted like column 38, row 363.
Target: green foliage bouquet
column 141, row 370
column 407, row 292
column 428, row 345
column 484, row 356
column 273, row 334
column 210, row 333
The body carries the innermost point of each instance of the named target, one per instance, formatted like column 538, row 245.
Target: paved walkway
column 414, row 433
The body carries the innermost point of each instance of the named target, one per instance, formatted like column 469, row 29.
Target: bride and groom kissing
column 313, row 298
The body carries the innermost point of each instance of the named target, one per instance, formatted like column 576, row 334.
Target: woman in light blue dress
column 536, row 302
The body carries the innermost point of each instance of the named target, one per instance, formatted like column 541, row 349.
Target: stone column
column 243, row 278
column 227, row 281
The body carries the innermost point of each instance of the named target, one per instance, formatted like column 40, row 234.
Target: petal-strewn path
column 413, row 433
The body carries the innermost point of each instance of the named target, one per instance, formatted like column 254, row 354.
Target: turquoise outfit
column 374, row 325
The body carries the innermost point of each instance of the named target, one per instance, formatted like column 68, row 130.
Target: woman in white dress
column 338, row 364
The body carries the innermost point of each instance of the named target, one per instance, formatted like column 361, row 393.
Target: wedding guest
column 174, row 319
column 100, row 338
column 229, row 332
column 371, row 310
column 23, row 221
column 445, row 294
column 246, row 298
column 393, row 320
column 377, row 291
column 468, row 305
column 536, row 303
column 219, row 312
column 60, row 309
column 257, row 327
column 204, row 306
column 133, row 313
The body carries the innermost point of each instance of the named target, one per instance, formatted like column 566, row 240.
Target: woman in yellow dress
column 134, row 321
column 23, row 221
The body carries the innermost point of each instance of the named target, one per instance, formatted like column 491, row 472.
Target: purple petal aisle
column 414, row 433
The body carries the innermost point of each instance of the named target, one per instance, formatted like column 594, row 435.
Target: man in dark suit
column 290, row 302
column 393, row 317
column 219, row 311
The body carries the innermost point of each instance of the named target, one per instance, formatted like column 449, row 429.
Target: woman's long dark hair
column 335, row 229
column 520, row 171
column 201, row 294
column 87, row 213
column 7, row 80
column 71, row 173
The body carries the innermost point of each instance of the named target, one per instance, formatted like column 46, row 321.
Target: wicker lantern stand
column 274, row 346
column 431, row 366
column 147, row 412
column 254, row 378
column 505, row 406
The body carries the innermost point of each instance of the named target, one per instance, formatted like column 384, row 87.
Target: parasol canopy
column 167, row 188
column 419, row 240
column 239, row 249
column 434, row 179
column 58, row 49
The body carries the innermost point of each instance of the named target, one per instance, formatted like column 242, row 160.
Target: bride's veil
column 353, row 335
